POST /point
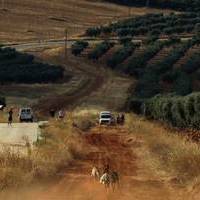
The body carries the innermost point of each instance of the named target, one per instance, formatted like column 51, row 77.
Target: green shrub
column 125, row 40
column 136, row 65
column 18, row 67
column 147, row 86
column 120, row 55
column 93, row 32
column 78, row 47
column 182, row 84
column 99, row 50
column 150, row 24
column 178, row 111
column 192, row 64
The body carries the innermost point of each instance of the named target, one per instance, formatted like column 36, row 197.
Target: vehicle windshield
column 26, row 111
column 105, row 116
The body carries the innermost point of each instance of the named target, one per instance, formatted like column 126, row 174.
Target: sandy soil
column 25, row 20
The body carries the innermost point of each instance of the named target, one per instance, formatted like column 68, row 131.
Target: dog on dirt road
column 108, row 179
column 95, row 173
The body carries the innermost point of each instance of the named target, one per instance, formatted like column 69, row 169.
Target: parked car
column 26, row 115
column 2, row 106
column 2, row 103
column 106, row 117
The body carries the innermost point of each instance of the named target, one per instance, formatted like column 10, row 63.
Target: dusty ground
column 117, row 147
column 25, row 20
column 17, row 133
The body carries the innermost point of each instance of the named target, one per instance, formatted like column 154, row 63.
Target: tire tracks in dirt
column 93, row 80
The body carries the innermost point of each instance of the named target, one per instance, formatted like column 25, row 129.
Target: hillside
column 168, row 67
column 26, row 20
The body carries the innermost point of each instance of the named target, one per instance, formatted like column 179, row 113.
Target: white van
column 25, row 115
column 106, row 117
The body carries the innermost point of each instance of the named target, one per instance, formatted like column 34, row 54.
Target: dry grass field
column 153, row 163
column 26, row 20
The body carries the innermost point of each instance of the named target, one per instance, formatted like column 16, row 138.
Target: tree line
column 18, row 67
column 186, row 5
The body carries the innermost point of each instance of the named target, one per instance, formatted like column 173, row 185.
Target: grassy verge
column 167, row 151
column 58, row 146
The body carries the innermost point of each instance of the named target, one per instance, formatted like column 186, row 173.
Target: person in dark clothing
column 106, row 169
column 10, row 117
column 118, row 119
column 52, row 113
column 122, row 118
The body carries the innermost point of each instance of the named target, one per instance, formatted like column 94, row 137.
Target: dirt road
column 117, row 147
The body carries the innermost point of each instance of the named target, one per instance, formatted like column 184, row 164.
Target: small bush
column 99, row 50
column 119, row 56
column 78, row 47
column 93, row 32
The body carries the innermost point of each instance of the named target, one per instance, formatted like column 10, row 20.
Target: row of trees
column 162, row 24
column 154, row 72
column 120, row 55
column 192, row 64
column 100, row 50
column 186, row 5
column 176, row 110
column 16, row 67
column 136, row 65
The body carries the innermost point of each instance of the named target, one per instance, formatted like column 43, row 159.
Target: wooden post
column 66, row 35
column 129, row 11
column 147, row 3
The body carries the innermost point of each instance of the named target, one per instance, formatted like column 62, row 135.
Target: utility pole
column 2, row 4
column 66, row 40
column 147, row 3
column 129, row 11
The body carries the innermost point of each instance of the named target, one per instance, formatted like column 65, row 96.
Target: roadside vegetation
column 18, row 67
column 166, row 151
column 57, row 147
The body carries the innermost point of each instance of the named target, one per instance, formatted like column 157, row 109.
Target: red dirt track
column 113, row 145
column 104, row 146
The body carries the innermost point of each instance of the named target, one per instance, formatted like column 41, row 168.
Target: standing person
column 122, row 118
column 61, row 114
column 106, row 169
column 10, row 116
column 52, row 113
column 118, row 119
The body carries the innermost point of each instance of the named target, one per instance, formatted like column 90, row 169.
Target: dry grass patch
column 85, row 119
column 167, row 151
column 58, row 146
